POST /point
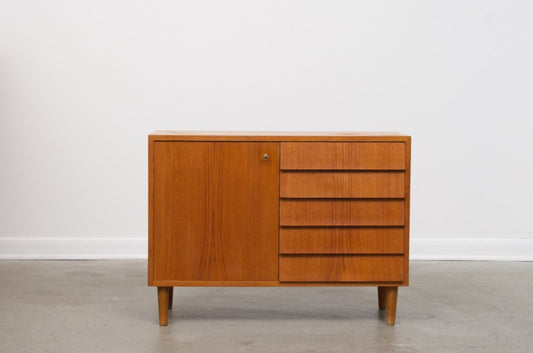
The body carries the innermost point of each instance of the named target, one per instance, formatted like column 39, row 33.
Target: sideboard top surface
column 171, row 135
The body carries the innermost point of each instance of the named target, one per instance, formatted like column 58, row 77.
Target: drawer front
column 341, row 268
column 342, row 155
column 341, row 212
column 342, row 240
column 386, row 184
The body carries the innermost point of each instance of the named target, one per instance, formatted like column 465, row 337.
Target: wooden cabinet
column 278, row 209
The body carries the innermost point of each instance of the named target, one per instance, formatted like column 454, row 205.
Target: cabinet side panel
column 216, row 211
column 407, row 208
column 150, row 211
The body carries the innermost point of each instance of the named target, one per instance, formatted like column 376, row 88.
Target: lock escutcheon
column 266, row 156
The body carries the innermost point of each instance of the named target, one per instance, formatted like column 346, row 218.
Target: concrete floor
column 105, row 306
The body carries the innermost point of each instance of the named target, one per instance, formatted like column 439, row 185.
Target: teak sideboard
column 278, row 209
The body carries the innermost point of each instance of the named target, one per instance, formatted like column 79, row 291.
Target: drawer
column 384, row 240
column 341, row 268
column 342, row 155
column 341, row 212
column 344, row 184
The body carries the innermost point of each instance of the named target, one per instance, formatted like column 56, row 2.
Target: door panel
column 216, row 211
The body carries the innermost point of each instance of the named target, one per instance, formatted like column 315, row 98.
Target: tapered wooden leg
column 170, row 297
column 162, row 297
column 381, row 297
column 391, row 296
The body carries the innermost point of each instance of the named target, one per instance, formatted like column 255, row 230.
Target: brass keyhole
column 266, row 156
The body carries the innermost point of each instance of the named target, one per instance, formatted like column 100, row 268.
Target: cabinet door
column 215, row 211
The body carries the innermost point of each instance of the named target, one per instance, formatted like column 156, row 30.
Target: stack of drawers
column 343, row 212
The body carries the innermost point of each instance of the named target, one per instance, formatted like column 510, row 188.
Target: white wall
column 82, row 83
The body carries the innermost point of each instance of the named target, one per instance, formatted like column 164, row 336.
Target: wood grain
column 216, row 207
column 275, row 283
column 391, row 298
column 407, row 205
column 163, row 302
column 381, row 298
column 312, row 212
column 382, row 240
column 151, row 233
column 312, row 184
column 341, row 268
column 342, row 155
column 274, row 136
